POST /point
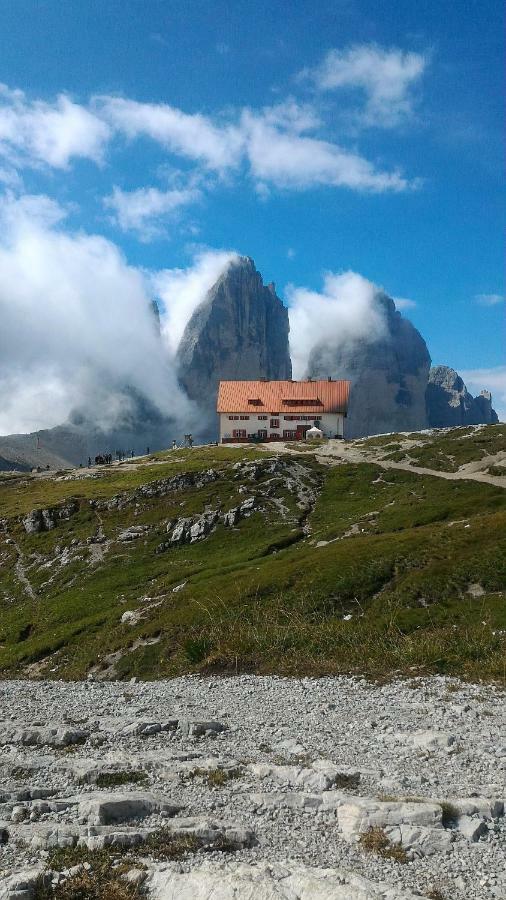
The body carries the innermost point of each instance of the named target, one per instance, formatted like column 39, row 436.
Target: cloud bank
column 78, row 326
column 344, row 311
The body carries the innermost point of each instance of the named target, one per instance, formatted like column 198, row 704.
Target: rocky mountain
column 240, row 331
column 80, row 438
column 388, row 375
column 450, row 403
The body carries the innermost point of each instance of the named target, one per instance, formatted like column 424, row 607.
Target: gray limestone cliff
column 449, row 402
column 240, row 331
column 388, row 375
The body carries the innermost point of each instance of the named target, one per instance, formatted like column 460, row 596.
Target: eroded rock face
column 240, row 331
column 449, row 403
column 389, row 376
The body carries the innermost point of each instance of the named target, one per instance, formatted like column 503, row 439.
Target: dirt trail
column 21, row 575
column 336, row 452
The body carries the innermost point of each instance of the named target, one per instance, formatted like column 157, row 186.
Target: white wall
column 330, row 423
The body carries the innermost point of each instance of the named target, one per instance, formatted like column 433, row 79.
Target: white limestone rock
column 103, row 808
column 267, row 881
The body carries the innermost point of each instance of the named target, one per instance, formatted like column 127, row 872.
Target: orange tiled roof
column 283, row 396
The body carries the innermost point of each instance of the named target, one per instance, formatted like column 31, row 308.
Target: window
column 262, row 433
column 262, row 418
column 244, row 417
column 232, row 418
column 288, row 434
column 239, row 433
column 274, row 423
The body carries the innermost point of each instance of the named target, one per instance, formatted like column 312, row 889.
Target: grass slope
column 385, row 570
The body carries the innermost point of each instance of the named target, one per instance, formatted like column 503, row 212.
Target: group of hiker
column 105, row 459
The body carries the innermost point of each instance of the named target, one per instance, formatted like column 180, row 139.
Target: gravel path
column 338, row 452
column 310, row 765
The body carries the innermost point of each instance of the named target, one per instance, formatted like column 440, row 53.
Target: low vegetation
column 214, row 778
column 379, row 571
column 375, row 840
column 116, row 779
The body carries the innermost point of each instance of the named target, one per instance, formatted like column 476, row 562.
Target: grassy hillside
column 339, row 567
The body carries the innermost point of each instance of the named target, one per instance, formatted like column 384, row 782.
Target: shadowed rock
column 449, row 403
column 388, row 375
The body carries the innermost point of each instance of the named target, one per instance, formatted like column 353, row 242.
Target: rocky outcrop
column 388, row 375
column 46, row 519
column 449, row 403
column 240, row 331
column 285, row 880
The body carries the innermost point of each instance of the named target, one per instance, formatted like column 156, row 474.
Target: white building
column 280, row 410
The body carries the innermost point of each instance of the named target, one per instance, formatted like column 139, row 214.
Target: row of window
column 299, row 418
column 264, row 418
column 262, row 433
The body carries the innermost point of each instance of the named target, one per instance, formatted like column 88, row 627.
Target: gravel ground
column 432, row 739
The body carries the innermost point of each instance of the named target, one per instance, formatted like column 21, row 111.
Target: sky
column 142, row 143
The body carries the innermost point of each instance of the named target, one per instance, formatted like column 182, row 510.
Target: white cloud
column 290, row 160
column 344, row 311
column 37, row 132
column 272, row 145
column 194, row 136
column 144, row 210
column 77, row 325
column 489, row 299
column 272, row 141
column 404, row 303
column 182, row 290
column 386, row 76
column 493, row 380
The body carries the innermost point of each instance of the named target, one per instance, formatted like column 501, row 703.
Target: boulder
column 21, row 885
column 472, row 828
column 40, row 736
column 106, row 808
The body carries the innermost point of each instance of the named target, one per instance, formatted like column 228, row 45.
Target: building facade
column 280, row 410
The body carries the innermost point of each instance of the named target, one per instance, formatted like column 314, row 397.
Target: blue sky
column 314, row 137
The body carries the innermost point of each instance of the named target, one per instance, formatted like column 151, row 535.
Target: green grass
column 452, row 449
column 401, row 551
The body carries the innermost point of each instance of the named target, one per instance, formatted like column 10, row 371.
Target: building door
column 300, row 434
column 262, row 434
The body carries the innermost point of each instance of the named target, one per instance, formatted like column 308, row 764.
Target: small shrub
column 165, row 845
column 213, row 777
column 101, row 879
column 376, row 841
column 115, row 779
column 102, row 884
column 435, row 894
column 197, row 650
